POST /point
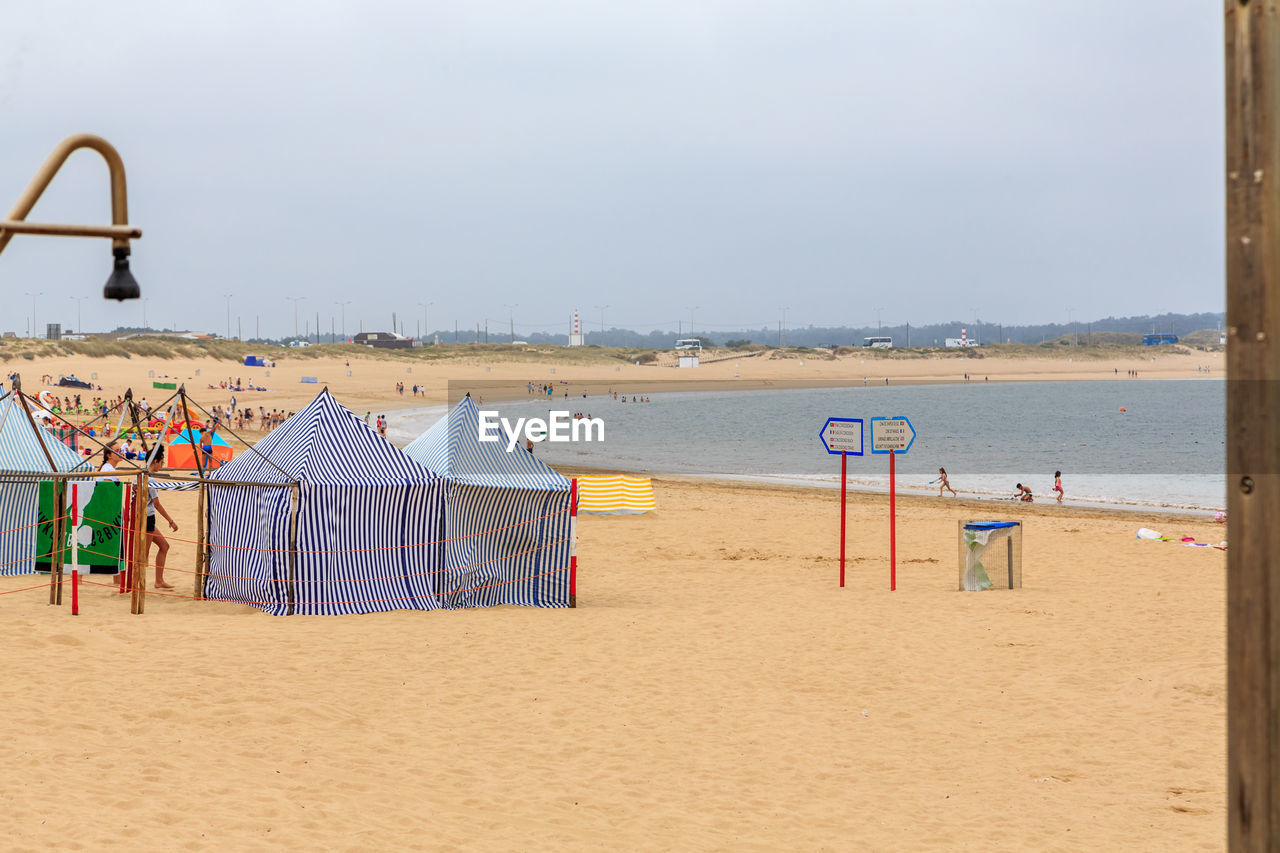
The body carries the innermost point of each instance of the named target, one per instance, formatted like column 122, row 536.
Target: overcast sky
column 926, row 160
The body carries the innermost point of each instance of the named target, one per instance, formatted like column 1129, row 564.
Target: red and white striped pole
column 75, row 592
column 573, row 542
column 75, row 522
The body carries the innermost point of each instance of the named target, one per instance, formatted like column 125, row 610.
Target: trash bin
column 990, row 555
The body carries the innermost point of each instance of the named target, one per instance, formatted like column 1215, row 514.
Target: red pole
column 893, row 530
column 844, row 466
column 573, row 542
column 75, row 592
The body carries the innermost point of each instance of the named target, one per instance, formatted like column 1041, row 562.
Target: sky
column 722, row 161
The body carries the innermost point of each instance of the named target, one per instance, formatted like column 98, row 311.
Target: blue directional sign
column 842, row 435
column 894, row 434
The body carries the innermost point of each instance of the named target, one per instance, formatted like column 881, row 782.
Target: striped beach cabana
column 507, row 523
column 25, row 449
column 326, row 517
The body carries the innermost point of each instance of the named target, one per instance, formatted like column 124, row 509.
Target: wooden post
column 198, row 591
column 1253, row 442
column 139, row 599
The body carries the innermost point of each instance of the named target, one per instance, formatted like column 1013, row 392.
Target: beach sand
column 714, row 689
column 371, row 386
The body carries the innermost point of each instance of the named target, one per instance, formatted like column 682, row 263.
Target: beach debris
column 1190, row 541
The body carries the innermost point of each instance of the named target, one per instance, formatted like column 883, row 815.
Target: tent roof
column 452, row 448
column 20, row 445
column 325, row 444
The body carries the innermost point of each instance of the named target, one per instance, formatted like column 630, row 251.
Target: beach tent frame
column 379, row 501
column 509, row 532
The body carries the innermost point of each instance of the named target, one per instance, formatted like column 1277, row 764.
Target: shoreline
column 1089, row 509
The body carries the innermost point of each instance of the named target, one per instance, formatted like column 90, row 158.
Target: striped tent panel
column 175, row 485
column 505, row 546
column 615, row 495
column 19, row 508
column 506, row 517
column 20, row 445
column 336, row 577
column 249, row 535
column 369, row 520
column 20, row 452
column 452, row 448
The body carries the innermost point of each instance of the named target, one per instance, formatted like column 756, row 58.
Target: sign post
column 892, row 436
column 843, row 436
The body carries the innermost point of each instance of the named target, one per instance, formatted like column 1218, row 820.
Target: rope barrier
column 349, row 580
column 337, row 551
column 27, row 559
column 151, row 592
column 45, row 586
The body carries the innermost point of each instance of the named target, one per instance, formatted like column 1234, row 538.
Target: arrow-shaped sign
column 894, row 434
column 842, row 435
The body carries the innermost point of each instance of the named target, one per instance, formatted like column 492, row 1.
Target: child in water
column 1023, row 494
column 943, row 482
column 1057, row 484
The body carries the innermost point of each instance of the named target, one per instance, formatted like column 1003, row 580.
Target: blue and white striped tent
column 20, row 452
column 369, row 521
column 507, row 521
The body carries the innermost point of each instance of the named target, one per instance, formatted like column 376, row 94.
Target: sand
column 715, row 689
column 371, row 386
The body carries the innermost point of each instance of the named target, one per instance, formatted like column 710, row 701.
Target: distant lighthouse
column 575, row 336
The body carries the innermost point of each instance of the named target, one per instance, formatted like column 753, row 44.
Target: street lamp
column 79, row 328
column 426, row 330
column 144, row 312
column 295, row 300
column 33, row 296
column 601, row 308
column 120, row 284
column 228, row 296
column 342, row 306
column 691, row 310
column 511, row 317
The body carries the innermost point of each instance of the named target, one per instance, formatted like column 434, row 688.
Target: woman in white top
column 108, row 463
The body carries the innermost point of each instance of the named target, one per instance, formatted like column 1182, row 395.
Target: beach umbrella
column 182, row 453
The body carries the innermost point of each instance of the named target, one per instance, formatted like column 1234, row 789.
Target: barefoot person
column 943, row 482
column 1024, row 493
column 155, row 536
column 1057, row 484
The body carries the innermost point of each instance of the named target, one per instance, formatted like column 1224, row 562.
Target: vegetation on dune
column 1099, row 345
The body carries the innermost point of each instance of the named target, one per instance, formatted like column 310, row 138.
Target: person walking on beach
column 1023, row 494
column 943, row 482
column 155, row 537
column 1057, row 484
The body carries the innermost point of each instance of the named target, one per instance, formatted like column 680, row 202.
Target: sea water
column 1166, row 448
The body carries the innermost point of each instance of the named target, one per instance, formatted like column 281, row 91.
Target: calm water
column 1166, row 449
